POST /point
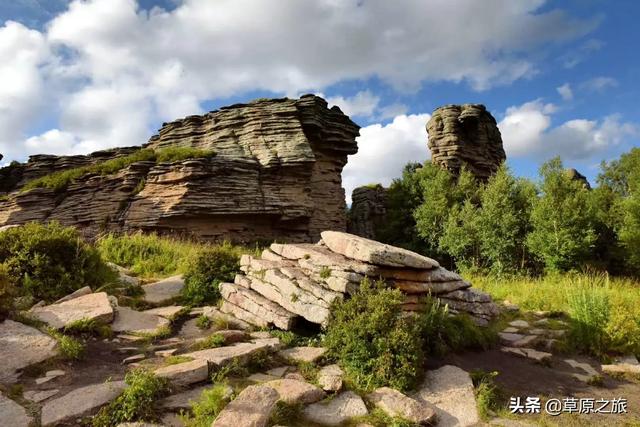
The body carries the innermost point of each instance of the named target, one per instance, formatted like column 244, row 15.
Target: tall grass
column 604, row 311
column 59, row 181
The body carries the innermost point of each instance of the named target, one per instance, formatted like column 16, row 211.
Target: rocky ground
column 174, row 342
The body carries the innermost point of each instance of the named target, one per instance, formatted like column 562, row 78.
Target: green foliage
column 88, row 327
column 59, row 181
column 373, row 342
column 212, row 401
column 138, row 402
column 203, row 322
column 378, row 418
column 562, row 222
column 148, row 255
column 212, row 341
column 325, row 272
column 49, row 261
column 210, row 267
column 489, row 398
column 176, row 360
column 69, row 347
column 7, row 293
column 286, row 414
column 590, row 311
column 309, row 371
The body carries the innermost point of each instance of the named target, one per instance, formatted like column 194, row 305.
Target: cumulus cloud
column 527, row 131
column 115, row 70
column 565, row 92
column 362, row 104
column 383, row 151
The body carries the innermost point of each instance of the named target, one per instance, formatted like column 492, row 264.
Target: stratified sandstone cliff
column 465, row 135
column 276, row 175
column 368, row 211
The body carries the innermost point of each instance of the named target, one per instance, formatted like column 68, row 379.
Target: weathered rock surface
column 330, row 378
column 86, row 307
column 39, row 396
column 396, row 404
column 81, row 401
column 368, row 211
column 465, row 135
column 12, row 414
column 22, row 346
column 449, row 391
column 184, row 374
column 303, row 354
column 163, row 291
column 80, row 292
column 276, row 175
column 169, row 312
column 242, row 351
column 293, row 391
column 128, row 320
column 292, row 281
column 343, row 407
column 252, row 408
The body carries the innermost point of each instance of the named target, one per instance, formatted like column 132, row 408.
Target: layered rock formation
column 290, row 282
column 465, row 135
column 368, row 210
column 276, row 175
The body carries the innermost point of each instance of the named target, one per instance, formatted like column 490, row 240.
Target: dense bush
column 210, row 267
column 205, row 410
column 373, row 342
column 7, row 293
column 138, row 402
column 48, row 261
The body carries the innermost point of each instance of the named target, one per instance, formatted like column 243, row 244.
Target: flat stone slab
column 261, row 378
column 509, row 338
column 373, row 252
column 170, row 312
column 519, row 324
column 80, row 292
column 252, row 408
column 278, row 372
column 303, row 354
column 163, row 291
column 396, row 404
column 22, row 346
column 293, row 391
column 80, row 401
column 621, row 368
column 12, row 414
column 330, row 378
column 222, row 355
column 39, row 396
column 184, row 374
column 128, row 320
column 86, row 307
column 583, row 366
column 449, row 392
column 527, row 353
column 340, row 409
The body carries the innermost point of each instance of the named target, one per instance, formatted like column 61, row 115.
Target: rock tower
column 465, row 135
column 276, row 175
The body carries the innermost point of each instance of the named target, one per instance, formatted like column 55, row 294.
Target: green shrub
column 69, row 347
column 138, row 402
column 212, row 341
column 203, row 322
column 590, row 311
column 373, row 342
column 7, row 293
column 49, row 261
column 286, row 414
column 88, row 327
column 59, row 181
column 212, row 401
column 210, row 267
column 489, row 398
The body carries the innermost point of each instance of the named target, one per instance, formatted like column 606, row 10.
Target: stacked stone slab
column 289, row 282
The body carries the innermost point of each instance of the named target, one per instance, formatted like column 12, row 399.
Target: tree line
column 515, row 225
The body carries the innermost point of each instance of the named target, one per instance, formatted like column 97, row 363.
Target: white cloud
column 565, row 92
column 527, row 132
column 362, row 104
column 383, row 151
column 116, row 70
column 581, row 53
column 599, row 84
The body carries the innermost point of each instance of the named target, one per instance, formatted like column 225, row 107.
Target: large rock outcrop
column 368, row 210
column 465, row 135
column 291, row 282
column 276, row 175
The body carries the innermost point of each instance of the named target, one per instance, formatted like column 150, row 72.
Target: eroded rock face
column 276, row 175
column 465, row 135
column 368, row 210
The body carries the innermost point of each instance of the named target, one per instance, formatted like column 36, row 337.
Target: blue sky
column 559, row 76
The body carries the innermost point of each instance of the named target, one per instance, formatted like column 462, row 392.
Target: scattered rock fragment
column 164, row 291
column 303, row 354
column 621, row 368
column 184, row 374
column 137, row 322
column 133, row 359
column 242, row 351
column 449, row 391
column 340, row 409
column 169, row 312
column 252, row 408
column 12, row 414
column 293, row 391
column 38, row 396
column 94, row 307
column 528, row 353
column 80, row 292
column 521, row 324
column 396, row 404
column 330, row 378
